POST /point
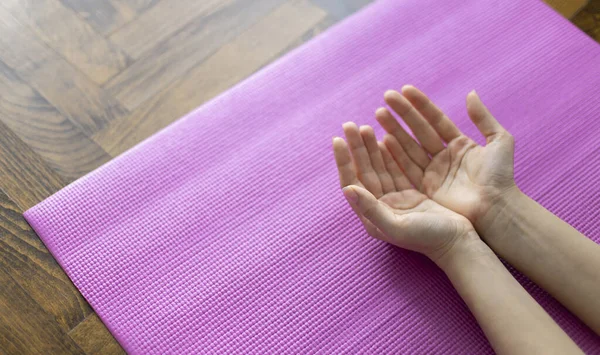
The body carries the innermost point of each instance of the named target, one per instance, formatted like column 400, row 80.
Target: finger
column 426, row 135
column 412, row 148
column 369, row 227
column 444, row 127
column 483, row 119
column 400, row 180
column 343, row 160
column 362, row 161
column 378, row 213
column 410, row 169
column 347, row 176
column 368, row 137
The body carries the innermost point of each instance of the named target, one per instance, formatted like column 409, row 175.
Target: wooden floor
column 81, row 81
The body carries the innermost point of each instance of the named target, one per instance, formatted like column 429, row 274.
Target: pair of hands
column 427, row 194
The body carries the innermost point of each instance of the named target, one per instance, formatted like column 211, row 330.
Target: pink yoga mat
column 227, row 231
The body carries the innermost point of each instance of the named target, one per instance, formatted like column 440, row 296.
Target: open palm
column 462, row 175
column 390, row 208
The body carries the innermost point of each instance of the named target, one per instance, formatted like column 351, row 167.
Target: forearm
column 512, row 320
column 549, row 251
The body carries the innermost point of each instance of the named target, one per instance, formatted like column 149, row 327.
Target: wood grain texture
column 588, row 19
column 568, row 8
column 104, row 16
column 140, row 5
column 24, row 176
column 41, row 126
column 340, row 9
column 61, row 29
column 92, row 336
column 31, row 266
column 233, row 62
column 160, row 22
column 79, row 99
column 25, row 328
column 314, row 31
column 171, row 59
column 54, row 54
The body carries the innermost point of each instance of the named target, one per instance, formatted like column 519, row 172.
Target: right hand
column 463, row 176
column 386, row 202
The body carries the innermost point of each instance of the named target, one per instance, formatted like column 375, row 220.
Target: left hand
column 387, row 204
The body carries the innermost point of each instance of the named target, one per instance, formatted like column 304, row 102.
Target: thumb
column 482, row 118
column 368, row 206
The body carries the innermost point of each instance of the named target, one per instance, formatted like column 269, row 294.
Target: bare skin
column 427, row 227
column 433, row 198
column 478, row 183
column 464, row 176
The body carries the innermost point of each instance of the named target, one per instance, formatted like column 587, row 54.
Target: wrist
column 502, row 211
column 468, row 247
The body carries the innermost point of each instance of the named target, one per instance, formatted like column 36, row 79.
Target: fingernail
column 350, row 194
column 473, row 92
column 348, row 124
column 390, row 94
column 365, row 128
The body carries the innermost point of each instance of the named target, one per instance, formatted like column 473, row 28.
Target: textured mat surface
column 227, row 231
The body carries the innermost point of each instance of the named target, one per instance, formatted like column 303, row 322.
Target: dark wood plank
column 66, row 149
column 26, row 259
column 25, row 328
column 24, row 175
column 160, row 22
column 92, row 336
column 589, row 19
column 250, row 51
column 105, row 16
column 172, row 59
column 80, row 100
column 567, row 8
column 61, row 29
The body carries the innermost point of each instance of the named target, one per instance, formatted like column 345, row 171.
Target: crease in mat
column 226, row 232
